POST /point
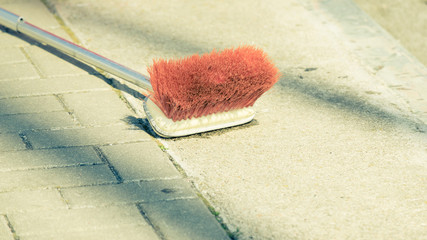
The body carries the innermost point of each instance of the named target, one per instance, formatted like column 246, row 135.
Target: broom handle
column 18, row 24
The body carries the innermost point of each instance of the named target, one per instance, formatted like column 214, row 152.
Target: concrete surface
column 73, row 162
column 338, row 147
column 406, row 20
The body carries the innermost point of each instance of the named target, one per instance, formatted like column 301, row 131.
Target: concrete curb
column 380, row 53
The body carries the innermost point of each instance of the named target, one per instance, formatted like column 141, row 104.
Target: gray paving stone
column 72, row 220
column 149, row 191
column 18, row 71
column 55, row 177
column 47, row 158
column 97, row 108
column 137, row 232
column 28, row 201
column 11, row 55
column 51, row 65
column 10, row 142
column 30, row 105
column 55, row 85
column 140, row 161
column 184, row 219
column 49, row 120
column 87, row 136
column 5, row 232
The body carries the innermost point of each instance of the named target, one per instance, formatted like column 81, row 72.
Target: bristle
column 219, row 81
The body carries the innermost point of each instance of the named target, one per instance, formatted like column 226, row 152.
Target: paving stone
column 11, row 55
column 8, row 40
column 87, row 136
column 140, row 161
column 49, row 120
column 136, row 232
column 146, row 191
column 26, row 8
column 22, row 40
column 420, row 105
column 184, row 219
column 97, row 108
column 51, row 65
column 18, row 71
column 47, row 158
column 27, row 201
column 5, row 232
column 55, row 85
column 30, row 105
column 55, row 177
column 72, row 220
column 10, row 142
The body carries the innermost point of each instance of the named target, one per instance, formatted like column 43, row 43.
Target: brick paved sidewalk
column 72, row 165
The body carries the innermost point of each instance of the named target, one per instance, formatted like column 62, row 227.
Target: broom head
column 207, row 86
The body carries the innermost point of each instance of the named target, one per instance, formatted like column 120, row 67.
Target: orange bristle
column 216, row 82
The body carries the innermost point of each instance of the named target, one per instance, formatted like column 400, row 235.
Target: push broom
column 186, row 96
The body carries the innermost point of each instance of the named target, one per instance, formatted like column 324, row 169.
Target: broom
column 186, row 96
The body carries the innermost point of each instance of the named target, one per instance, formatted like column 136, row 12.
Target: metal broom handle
column 18, row 24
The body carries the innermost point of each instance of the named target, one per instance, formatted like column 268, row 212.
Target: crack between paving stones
column 104, row 159
column 49, row 93
column 114, row 183
column 68, row 146
column 77, row 127
column 27, row 113
column 52, row 167
column 11, row 228
column 120, row 204
column 53, row 186
column 147, row 219
column 70, row 112
column 39, row 72
column 61, row 195
column 38, row 130
column 27, row 143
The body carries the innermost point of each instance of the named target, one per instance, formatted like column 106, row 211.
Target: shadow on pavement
column 152, row 35
column 348, row 101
